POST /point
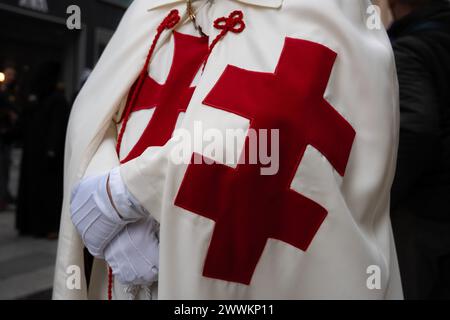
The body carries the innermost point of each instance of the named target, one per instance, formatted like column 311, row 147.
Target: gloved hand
column 133, row 254
column 95, row 217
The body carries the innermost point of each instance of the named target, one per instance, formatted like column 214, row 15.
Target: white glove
column 95, row 217
column 133, row 254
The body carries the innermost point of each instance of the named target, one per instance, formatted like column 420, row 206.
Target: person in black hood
column 420, row 203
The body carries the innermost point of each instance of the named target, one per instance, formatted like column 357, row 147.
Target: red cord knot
column 234, row 22
column 170, row 21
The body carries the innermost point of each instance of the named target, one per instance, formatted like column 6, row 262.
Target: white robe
column 356, row 233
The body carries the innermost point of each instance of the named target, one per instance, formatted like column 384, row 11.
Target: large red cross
column 249, row 208
column 172, row 97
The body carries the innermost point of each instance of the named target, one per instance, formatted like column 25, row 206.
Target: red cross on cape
column 249, row 208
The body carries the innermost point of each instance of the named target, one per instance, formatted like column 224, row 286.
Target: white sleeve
column 146, row 176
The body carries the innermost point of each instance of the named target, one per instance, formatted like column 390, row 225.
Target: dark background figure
column 421, row 192
column 31, row 34
column 43, row 122
column 8, row 116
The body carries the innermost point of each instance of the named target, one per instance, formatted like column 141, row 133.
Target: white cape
column 355, row 236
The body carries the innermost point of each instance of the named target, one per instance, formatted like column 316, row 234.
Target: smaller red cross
column 249, row 208
column 172, row 97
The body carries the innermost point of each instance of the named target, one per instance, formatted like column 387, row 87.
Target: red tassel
column 110, row 283
column 168, row 23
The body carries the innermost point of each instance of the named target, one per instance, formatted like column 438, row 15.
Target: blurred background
column 43, row 65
